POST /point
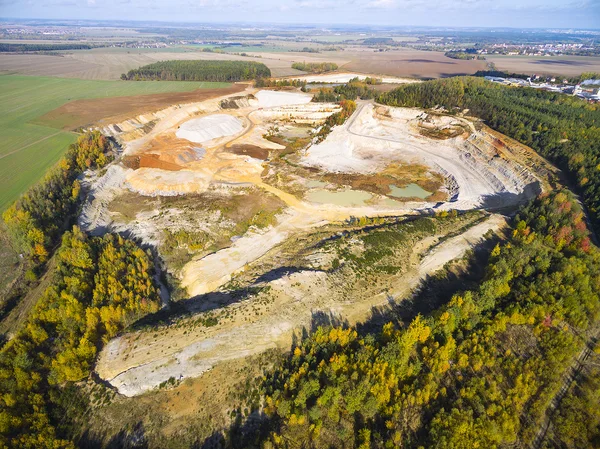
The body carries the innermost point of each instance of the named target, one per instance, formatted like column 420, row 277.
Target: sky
column 460, row 13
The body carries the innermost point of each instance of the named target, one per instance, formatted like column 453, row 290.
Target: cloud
column 383, row 4
column 515, row 13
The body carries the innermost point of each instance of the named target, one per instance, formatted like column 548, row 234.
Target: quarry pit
column 223, row 187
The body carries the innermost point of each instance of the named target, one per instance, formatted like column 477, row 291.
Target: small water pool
column 345, row 198
column 411, row 190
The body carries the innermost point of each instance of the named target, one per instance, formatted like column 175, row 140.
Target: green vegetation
column 101, row 285
column 577, row 423
column 465, row 55
column 199, row 71
column 19, row 47
column 338, row 118
column 306, row 50
column 36, row 221
column 315, row 67
column 382, row 250
column 480, row 371
column 28, row 150
column 271, row 82
column 561, row 128
column 379, row 41
column 352, row 90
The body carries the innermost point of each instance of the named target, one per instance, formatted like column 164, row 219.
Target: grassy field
column 27, row 150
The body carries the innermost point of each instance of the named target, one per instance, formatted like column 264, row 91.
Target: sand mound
column 154, row 181
column 205, row 129
column 270, row 98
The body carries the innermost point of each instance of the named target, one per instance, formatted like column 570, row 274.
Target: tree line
column 100, row 285
column 564, row 129
column 272, row 82
column 352, row 90
column 315, row 67
column 335, row 119
column 20, row 48
column 38, row 218
column 480, row 371
column 223, row 71
column 464, row 55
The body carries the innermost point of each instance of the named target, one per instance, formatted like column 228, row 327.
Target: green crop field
column 27, row 150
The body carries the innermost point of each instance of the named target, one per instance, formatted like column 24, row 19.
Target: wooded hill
column 564, row 129
column 480, row 371
column 224, row 71
column 36, row 221
column 101, row 285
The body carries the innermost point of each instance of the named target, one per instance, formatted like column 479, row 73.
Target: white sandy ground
column 368, row 142
column 345, row 77
column 199, row 354
column 204, row 129
column 270, row 98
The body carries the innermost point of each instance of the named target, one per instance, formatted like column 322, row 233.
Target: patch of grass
column 27, row 149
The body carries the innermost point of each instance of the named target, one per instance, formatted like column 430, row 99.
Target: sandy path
column 136, row 363
column 455, row 247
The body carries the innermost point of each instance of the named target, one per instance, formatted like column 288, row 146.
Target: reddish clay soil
column 98, row 111
column 149, row 160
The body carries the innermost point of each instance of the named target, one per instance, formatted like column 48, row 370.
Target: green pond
column 411, row 190
column 346, row 198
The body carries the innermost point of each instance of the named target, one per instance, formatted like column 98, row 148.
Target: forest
column 37, row 219
column 20, row 48
column 352, row 90
column 480, row 371
column 273, row 82
column 563, row 129
column 101, row 285
column 315, row 67
column 222, row 71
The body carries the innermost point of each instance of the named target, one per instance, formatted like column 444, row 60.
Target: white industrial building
column 588, row 89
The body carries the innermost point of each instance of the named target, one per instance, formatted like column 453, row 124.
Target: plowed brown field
column 95, row 111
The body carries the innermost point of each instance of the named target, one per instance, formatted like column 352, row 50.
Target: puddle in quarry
column 348, row 198
column 411, row 190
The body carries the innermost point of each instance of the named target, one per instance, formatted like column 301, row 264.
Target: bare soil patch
column 555, row 65
column 81, row 113
column 410, row 63
column 149, row 160
column 250, row 150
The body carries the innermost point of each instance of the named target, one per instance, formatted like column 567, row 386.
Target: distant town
column 588, row 89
